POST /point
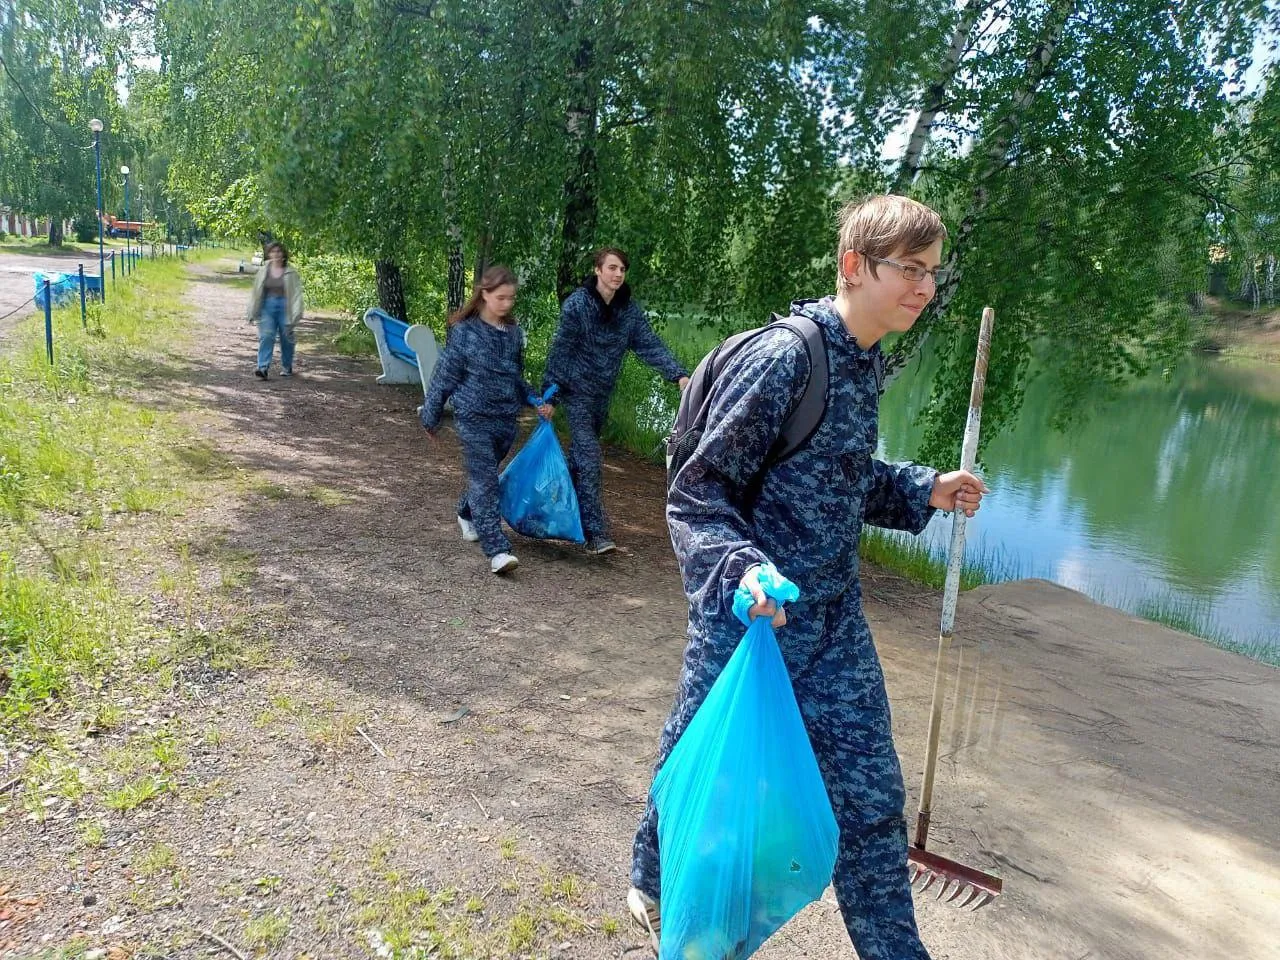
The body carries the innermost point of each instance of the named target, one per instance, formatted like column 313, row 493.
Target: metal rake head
column 951, row 880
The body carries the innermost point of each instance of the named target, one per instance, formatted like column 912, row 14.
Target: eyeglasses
column 911, row 271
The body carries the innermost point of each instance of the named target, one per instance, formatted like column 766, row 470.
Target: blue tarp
column 62, row 287
column 65, row 287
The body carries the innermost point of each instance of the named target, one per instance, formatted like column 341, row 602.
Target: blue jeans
column 273, row 322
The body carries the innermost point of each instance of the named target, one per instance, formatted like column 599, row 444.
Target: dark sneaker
column 286, row 373
column 260, row 373
column 601, row 545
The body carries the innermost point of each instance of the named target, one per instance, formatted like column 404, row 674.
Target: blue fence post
column 84, row 316
column 48, row 320
column 113, row 268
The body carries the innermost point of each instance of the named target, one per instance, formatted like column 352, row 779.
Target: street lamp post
column 96, row 126
column 127, row 249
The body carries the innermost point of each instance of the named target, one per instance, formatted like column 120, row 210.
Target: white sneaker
column 468, row 530
column 503, row 563
column 644, row 911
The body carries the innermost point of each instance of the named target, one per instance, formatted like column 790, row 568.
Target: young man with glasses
column 806, row 516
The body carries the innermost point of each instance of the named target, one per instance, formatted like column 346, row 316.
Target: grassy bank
column 1194, row 616
column 39, row 247
column 911, row 557
column 1239, row 331
column 82, row 463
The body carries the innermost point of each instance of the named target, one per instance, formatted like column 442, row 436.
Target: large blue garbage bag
column 536, row 492
column 746, row 833
column 62, row 287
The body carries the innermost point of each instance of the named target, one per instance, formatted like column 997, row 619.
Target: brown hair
column 879, row 225
column 284, row 254
column 599, row 256
column 493, row 278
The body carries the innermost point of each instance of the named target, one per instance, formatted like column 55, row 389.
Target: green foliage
column 86, row 228
column 1080, row 187
column 60, row 66
column 339, row 282
column 73, row 453
column 715, row 141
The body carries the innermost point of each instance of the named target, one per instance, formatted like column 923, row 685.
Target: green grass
column 355, row 340
column 267, row 931
column 75, row 452
column 134, row 793
column 52, row 629
column 157, row 858
column 39, row 246
column 911, row 557
column 1195, row 616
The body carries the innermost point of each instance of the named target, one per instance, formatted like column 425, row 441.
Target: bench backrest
column 393, row 332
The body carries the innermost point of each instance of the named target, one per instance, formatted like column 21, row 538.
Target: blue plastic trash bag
column 536, row 492
column 62, row 287
column 746, row 833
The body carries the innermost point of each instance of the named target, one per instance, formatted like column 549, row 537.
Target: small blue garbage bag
column 746, row 833
column 62, row 287
column 536, row 492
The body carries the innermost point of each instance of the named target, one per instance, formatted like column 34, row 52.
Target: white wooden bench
column 408, row 352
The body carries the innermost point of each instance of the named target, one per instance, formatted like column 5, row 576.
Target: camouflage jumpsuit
column 807, row 520
column 585, row 358
column 482, row 370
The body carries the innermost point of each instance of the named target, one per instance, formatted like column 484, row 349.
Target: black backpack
column 801, row 422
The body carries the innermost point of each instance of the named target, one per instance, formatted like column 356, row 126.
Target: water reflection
column 1167, row 492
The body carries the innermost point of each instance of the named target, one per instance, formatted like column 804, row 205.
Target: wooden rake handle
column 951, row 588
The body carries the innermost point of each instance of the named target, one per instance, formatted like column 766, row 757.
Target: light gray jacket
column 293, row 294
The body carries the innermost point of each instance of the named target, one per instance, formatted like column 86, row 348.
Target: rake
column 927, row 870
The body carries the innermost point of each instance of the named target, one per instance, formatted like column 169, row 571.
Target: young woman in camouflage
column 806, row 517
column 482, row 371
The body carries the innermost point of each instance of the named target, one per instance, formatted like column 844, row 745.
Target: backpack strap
column 805, row 418
column 801, row 421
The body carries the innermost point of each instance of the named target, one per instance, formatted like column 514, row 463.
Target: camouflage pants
column 485, row 442
column 586, row 416
column 839, row 686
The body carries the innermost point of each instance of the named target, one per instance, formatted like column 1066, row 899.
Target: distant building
column 20, row 225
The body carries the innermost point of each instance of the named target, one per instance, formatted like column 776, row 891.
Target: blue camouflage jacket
column 809, row 514
column 482, row 369
column 593, row 338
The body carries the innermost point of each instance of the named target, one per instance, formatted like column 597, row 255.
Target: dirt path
column 1120, row 776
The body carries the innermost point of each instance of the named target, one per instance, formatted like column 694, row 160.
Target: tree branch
column 415, row 9
column 607, row 128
